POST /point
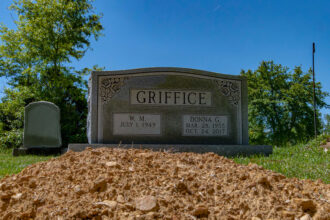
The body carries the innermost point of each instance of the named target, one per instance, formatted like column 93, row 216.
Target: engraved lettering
column 136, row 124
column 169, row 97
column 138, row 97
column 184, row 98
column 205, row 125
column 126, row 124
column 202, row 98
column 189, row 98
column 152, row 97
column 176, row 96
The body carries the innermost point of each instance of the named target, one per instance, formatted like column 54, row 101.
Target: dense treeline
column 281, row 104
column 35, row 58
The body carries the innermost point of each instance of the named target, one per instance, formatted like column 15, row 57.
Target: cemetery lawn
column 10, row 165
column 303, row 161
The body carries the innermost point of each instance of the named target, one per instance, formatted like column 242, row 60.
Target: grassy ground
column 304, row 161
column 10, row 164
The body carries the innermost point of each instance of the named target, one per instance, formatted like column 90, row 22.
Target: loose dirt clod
column 141, row 184
column 110, row 204
column 201, row 211
column 306, row 217
column 146, row 203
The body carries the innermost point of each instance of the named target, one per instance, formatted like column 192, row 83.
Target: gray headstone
column 167, row 106
column 42, row 125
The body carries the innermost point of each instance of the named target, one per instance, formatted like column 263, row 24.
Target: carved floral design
column 230, row 89
column 110, row 86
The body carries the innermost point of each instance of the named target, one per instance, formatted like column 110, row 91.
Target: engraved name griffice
column 170, row 97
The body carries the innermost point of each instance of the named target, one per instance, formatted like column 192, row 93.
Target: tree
column 281, row 104
column 36, row 58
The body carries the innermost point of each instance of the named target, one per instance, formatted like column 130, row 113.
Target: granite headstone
column 186, row 109
column 42, row 129
column 42, row 125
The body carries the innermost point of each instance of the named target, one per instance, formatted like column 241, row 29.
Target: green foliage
column 281, row 104
column 36, row 58
column 12, row 115
column 12, row 138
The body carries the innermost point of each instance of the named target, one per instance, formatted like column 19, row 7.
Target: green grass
column 304, row 161
column 10, row 165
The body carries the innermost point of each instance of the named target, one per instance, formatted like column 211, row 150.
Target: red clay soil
column 141, row 184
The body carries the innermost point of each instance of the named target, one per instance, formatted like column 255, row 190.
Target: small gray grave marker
column 42, row 125
column 42, row 130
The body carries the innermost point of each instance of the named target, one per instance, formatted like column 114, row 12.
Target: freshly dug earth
column 141, row 184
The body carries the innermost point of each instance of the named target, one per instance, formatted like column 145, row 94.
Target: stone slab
column 38, row 151
column 223, row 150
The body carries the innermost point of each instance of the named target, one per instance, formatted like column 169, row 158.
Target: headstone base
column 223, row 150
column 38, row 151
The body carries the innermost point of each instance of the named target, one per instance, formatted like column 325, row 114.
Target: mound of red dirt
column 141, row 184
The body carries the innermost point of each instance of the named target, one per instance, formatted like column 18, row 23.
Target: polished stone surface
column 42, row 127
column 167, row 106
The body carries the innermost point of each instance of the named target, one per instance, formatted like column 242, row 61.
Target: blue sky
column 222, row 36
